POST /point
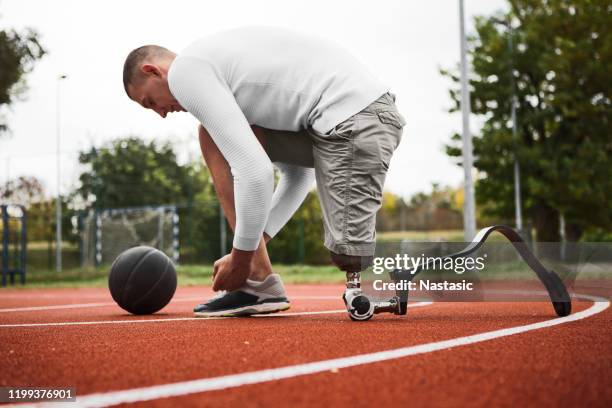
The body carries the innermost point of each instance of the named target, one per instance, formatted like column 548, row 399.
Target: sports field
column 306, row 204
column 440, row 354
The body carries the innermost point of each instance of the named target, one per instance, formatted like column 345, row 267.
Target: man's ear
column 150, row 69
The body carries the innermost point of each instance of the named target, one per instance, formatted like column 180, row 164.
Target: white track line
column 31, row 294
column 86, row 305
column 55, row 307
column 416, row 304
column 106, row 399
column 78, row 306
column 178, row 319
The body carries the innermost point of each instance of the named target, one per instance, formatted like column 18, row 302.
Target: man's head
column 145, row 79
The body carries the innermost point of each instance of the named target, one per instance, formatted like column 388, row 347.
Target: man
column 269, row 95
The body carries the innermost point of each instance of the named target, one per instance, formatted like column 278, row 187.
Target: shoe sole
column 261, row 308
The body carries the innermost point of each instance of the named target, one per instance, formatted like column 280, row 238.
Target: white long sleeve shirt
column 273, row 78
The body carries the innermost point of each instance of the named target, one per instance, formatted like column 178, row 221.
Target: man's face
column 152, row 92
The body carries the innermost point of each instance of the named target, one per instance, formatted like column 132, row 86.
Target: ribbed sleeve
column 294, row 184
column 201, row 90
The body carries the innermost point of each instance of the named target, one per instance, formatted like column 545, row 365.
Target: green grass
column 201, row 275
column 421, row 236
column 191, row 275
column 188, row 275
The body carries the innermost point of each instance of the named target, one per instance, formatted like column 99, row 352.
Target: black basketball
column 142, row 280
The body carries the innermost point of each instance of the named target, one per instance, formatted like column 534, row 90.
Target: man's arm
column 200, row 90
column 220, row 172
column 293, row 187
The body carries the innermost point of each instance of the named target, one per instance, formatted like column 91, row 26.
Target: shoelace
column 217, row 296
column 222, row 293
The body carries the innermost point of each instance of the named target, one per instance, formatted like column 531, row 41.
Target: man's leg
column 351, row 163
column 351, row 263
column 224, row 187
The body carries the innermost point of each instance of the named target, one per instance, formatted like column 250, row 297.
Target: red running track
column 108, row 350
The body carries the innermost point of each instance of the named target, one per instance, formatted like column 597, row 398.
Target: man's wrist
column 241, row 258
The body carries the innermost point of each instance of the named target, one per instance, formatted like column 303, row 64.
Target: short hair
column 136, row 58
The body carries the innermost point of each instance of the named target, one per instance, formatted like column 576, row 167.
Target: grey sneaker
column 252, row 298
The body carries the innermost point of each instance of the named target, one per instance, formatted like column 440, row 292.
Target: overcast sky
column 403, row 42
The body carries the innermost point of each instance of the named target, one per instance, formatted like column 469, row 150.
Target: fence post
column 14, row 268
column 175, row 236
column 301, row 249
column 98, row 238
column 81, row 229
column 24, row 245
column 5, row 243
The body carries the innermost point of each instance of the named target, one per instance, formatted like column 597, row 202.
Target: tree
column 388, row 217
column 22, row 190
column 200, row 217
column 304, row 228
column 18, row 53
column 129, row 172
column 439, row 209
column 558, row 70
column 30, row 193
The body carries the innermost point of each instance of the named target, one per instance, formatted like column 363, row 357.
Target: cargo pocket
column 392, row 118
column 390, row 139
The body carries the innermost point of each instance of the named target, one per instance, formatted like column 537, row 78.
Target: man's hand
column 231, row 271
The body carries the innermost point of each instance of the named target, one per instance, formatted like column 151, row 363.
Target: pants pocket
column 392, row 118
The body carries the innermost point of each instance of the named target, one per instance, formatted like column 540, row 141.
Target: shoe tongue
column 251, row 282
